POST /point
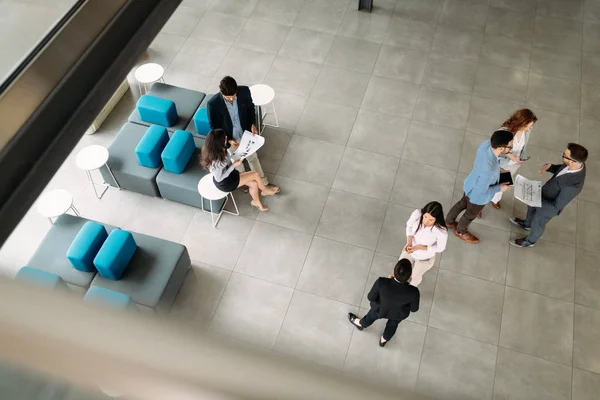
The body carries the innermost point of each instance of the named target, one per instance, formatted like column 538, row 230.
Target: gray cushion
column 17, row 383
column 191, row 127
column 124, row 163
column 186, row 101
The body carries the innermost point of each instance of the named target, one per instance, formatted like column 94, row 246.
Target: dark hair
column 435, row 209
column 228, row 86
column 578, row 152
column 501, row 138
column 403, row 270
column 519, row 119
column 213, row 148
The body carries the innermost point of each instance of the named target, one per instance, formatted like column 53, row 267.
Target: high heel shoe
column 273, row 190
column 253, row 204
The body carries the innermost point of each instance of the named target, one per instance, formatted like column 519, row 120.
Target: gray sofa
column 191, row 127
column 153, row 277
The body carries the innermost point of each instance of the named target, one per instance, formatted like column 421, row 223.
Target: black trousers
column 390, row 327
column 470, row 214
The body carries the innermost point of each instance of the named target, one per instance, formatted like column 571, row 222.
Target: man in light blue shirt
column 481, row 184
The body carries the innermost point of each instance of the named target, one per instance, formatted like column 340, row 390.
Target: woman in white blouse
column 426, row 235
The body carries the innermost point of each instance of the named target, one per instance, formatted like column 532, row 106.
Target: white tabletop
column 91, row 157
column 208, row 190
column 262, row 94
column 149, row 73
column 54, row 203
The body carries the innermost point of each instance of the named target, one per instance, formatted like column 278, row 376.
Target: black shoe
column 351, row 318
column 382, row 344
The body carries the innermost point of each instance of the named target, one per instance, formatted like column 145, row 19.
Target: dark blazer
column 559, row 191
column 392, row 299
column 218, row 115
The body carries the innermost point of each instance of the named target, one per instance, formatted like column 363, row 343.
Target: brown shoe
column 451, row 226
column 467, row 237
column 496, row 205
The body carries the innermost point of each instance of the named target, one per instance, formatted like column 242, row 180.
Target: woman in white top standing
column 520, row 124
column 426, row 235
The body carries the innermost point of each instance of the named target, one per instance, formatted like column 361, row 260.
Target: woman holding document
column 225, row 177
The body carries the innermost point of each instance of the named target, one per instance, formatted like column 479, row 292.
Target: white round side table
column 55, row 203
column 262, row 95
column 94, row 157
column 208, row 191
column 148, row 73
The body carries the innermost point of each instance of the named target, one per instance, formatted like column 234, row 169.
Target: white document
column 248, row 145
column 529, row 192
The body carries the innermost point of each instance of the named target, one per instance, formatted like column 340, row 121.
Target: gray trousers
column 537, row 218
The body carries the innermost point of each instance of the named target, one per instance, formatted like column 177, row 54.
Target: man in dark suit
column 233, row 111
column 566, row 183
column 392, row 298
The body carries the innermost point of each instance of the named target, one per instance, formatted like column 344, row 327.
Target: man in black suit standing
column 566, row 183
column 233, row 111
column 392, row 298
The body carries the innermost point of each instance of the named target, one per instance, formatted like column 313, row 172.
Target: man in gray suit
column 565, row 184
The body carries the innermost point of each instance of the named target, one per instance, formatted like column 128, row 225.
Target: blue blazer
column 482, row 182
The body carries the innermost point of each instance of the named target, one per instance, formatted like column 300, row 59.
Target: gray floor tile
column 200, row 294
column 289, row 108
column 588, row 219
column 276, row 143
column 310, row 160
column 554, row 130
column 360, row 25
column 561, row 33
column 585, row 385
column 200, row 57
column 554, row 94
column 187, row 80
column 365, row 173
column 591, row 65
column 510, row 23
column 591, row 188
column 411, row 34
column 204, row 4
column 537, row 325
column 323, row 16
column 116, row 209
column 352, row 219
column 326, row 121
column 262, row 36
column 548, row 269
column 247, row 66
column 486, row 260
column 252, row 310
column 419, row 10
column 316, row 329
column 398, row 365
column 588, row 137
column 357, row 55
column 163, row 49
column 417, row 184
column 183, row 21
column 393, row 233
column 340, row 86
column 282, row 12
column 442, row 107
column 586, row 345
column 434, row 145
column 426, row 290
column 298, row 206
column 568, row 9
column 487, row 115
column 307, row 45
column 590, row 101
column 592, row 10
column 447, row 73
column 520, row 376
column 516, row 5
column 470, row 145
column 336, row 271
column 467, row 306
column 390, row 96
column 398, row 63
column 467, row 14
column 379, row 133
column 218, row 28
column 293, row 76
column 505, row 52
column 455, row 367
column 383, row 7
column 458, row 44
column 591, row 37
column 501, row 83
column 240, row 8
column 550, row 61
column 587, row 278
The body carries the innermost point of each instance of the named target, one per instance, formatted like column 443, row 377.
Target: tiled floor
column 381, row 113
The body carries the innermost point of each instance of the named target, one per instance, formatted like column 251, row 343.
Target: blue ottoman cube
column 178, row 152
column 201, row 121
column 115, row 254
column 151, row 146
column 86, row 245
column 41, row 278
column 102, row 296
column 155, row 110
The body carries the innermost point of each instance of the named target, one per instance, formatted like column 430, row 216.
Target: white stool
column 208, row 191
column 55, row 203
column 94, row 157
column 261, row 96
column 148, row 73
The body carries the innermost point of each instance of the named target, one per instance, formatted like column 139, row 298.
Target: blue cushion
column 178, row 152
column 41, row 278
column 201, row 121
column 98, row 295
column 158, row 111
column 116, row 252
column 152, row 144
column 86, row 245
